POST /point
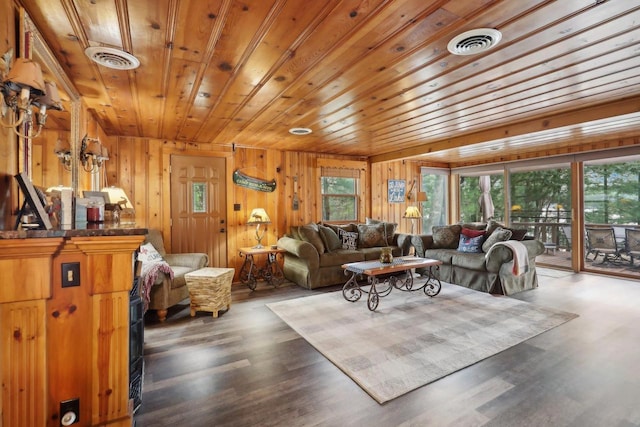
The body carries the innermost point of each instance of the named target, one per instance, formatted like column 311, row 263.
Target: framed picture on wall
column 34, row 201
column 396, row 189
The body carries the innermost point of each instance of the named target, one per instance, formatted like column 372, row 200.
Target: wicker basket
column 210, row 289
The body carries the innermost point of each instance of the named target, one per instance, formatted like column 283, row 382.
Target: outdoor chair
column 603, row 241
column 632, row 243
column 566, row 232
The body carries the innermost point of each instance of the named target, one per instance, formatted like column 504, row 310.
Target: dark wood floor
column 248, row 368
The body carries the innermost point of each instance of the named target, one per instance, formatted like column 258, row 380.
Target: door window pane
column 199, row 197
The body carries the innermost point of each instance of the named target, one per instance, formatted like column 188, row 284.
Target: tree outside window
column 339, row 198
column 612, row 193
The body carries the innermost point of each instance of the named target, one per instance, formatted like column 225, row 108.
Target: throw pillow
column 349, row 239
column 474, row 225
column 148, row 253
column 311, row 234
column 329, row 238
column 390, row 232
column 469, row 232
column 498, row 235
column 345, row 227
column 446, row 236
column 470, row 244
column 371, row 236
column 517, row 233
column 389, row 229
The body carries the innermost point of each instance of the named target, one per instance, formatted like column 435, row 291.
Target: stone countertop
column 100, row 230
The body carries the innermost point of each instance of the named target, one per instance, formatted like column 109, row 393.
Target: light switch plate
column 70, row 274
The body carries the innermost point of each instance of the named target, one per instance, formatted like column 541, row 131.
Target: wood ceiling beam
column 585, row 115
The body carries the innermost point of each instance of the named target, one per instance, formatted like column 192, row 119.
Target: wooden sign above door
column 253, row 183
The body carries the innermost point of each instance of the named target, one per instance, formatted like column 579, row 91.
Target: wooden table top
column 375, row 267
column 264, row 250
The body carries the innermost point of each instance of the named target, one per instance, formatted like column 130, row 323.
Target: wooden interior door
column 198, row 207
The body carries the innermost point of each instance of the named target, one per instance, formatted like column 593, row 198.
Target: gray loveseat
column 486, row 269
column 316, row 252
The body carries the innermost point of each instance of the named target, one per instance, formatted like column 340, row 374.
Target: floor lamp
column 412, row 213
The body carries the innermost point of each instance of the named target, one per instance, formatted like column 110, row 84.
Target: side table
column 210, row 289
column 271, row 272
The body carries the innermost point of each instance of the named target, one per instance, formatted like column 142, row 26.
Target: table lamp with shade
column 118, row 197
column 412, row 213
column 259, row 216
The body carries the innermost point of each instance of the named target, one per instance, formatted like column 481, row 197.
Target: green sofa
column 316, row 252
column 490, row 269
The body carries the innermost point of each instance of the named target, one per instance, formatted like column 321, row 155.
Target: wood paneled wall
column 381, row 209
column 8, row 141
column 141, row 167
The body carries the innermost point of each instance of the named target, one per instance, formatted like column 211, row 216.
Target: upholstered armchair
column 165, row 292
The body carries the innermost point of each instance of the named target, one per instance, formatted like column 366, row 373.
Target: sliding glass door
column 612, row 215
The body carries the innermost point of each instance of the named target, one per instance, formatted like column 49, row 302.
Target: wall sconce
column 24, row 89
column 63, row 151
column 259, row 216
column 92, row 154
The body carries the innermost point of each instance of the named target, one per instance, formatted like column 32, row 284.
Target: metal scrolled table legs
column 249, row 272
column 432, row 286
column 351, row 290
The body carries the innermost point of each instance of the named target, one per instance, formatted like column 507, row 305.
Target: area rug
column 411, row 339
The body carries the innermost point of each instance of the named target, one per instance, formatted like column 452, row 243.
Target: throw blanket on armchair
column 520, row 260
column 148, row 276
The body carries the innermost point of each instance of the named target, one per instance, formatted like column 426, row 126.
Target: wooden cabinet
column 60, row 343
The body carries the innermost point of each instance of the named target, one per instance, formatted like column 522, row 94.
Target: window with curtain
column 340, row 192
column 435, row 183
column 471, row 197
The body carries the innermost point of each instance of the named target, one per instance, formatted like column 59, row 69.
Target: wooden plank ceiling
column 371, row 78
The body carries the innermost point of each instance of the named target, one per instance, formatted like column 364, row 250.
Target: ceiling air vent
column 300, row 131
column 474, row 41
column 112, row 58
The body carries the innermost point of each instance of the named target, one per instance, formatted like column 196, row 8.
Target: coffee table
column 352, row 291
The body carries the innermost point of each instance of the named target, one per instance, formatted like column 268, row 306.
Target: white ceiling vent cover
column 474, row 41
column 112, row 58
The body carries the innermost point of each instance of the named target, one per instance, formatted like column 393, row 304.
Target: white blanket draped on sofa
column 520, row 262
column 515, row 272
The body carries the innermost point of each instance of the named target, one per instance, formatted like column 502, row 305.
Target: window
column 339, row 189
column 541, row 201
column 611, row 194
column 435, row 209
column 471, row 194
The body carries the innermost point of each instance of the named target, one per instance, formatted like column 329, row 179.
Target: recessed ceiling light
column 474, row 41
column 112, row 58
column 300, row 131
